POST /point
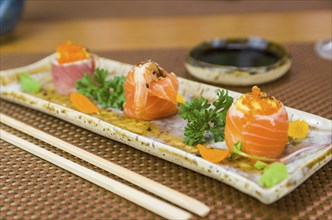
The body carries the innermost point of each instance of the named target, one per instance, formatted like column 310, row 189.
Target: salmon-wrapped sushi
column 151, row 92
column 260, row 122
column 72, row 62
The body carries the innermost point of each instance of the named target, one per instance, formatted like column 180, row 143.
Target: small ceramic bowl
column 238, row 61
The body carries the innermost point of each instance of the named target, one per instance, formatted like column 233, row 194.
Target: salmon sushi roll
column 151, row 92
column 259, row 122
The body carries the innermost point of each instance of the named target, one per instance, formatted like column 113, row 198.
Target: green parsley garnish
column 204, row 118
column 107, row 93
column 273, row 174
column 28, row 84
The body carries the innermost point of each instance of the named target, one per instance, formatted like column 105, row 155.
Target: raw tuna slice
column 66, row 75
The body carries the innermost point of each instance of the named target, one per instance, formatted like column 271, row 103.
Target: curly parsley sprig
column 107, row 93
column 204, row 117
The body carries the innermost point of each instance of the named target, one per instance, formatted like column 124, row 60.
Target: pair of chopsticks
column 153, row 204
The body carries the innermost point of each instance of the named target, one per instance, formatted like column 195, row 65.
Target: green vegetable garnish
column 273, row 174
column 28, row 84
column 237, row 150
column 107, row 93
column 204, row 117
column 259, row 165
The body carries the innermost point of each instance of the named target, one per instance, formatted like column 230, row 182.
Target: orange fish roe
column 69, row 52
column 258, row 102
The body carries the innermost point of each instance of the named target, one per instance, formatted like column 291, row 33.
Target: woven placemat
column 33, row 188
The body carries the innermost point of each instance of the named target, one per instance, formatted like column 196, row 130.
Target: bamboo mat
column 35, row 189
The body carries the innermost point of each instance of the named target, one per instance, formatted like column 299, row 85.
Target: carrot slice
column 82, row 103
column 212, row 155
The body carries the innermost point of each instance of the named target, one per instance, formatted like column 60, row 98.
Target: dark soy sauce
column 239, row 57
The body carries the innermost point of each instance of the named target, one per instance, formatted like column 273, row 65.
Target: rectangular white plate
column 165, row 140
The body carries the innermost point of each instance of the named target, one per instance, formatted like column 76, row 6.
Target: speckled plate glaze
column 163, row 138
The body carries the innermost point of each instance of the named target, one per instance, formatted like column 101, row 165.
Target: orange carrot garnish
column 82, row 103
column 212, row 155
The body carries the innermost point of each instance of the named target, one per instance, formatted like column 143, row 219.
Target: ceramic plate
column 163, row 138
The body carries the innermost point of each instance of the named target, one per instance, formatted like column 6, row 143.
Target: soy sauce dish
column 238, row 61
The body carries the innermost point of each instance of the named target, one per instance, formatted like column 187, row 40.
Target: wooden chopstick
column 142, row 199
column 158, row 189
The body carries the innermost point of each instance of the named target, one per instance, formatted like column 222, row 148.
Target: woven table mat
column 35, row 189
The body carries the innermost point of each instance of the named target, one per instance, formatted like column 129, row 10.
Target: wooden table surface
column 149, row 32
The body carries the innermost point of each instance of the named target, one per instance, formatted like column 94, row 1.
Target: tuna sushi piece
column 260, row 122
column 73, row 61
column 151, row 92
